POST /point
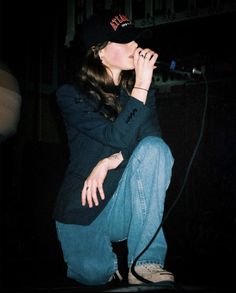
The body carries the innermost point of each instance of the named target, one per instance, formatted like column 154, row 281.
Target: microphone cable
column 181, row 190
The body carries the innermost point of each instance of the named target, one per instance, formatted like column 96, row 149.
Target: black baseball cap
column 109, row 26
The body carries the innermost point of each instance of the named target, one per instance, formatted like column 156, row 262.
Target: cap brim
column 127, row 35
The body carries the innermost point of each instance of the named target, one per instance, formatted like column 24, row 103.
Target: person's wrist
column 141, row 88
column 142, row 85
column 114, row 160
column 105, row 162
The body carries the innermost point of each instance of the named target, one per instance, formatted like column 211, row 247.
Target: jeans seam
column 141, row 195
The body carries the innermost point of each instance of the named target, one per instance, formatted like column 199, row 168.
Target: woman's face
column 118, row 57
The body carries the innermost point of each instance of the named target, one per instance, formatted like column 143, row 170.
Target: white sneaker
column 151, row 272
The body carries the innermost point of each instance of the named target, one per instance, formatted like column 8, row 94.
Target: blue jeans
column 134, row 213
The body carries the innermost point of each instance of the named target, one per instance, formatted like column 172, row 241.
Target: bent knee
column 153, row 149
column 154, row 143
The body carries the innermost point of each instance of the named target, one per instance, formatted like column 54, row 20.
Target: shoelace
column 153, row 268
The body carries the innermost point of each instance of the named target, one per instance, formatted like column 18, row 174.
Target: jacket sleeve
column 78, row 113
column 151, row 126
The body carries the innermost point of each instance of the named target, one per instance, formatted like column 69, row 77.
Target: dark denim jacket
column 92, row 137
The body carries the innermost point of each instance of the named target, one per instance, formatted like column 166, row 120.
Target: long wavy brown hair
column 93, row 79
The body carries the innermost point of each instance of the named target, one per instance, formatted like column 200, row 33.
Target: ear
column 101, row 53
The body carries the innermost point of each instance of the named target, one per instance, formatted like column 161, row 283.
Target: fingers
column 146, row 56
column 89, row 194
column 101, row 191
column 83, row 195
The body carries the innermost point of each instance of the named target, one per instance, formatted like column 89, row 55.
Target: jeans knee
column 153, row 146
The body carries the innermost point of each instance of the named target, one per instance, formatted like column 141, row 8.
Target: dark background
column 200, row 229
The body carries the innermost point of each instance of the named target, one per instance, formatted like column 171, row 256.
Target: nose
column 134, row 45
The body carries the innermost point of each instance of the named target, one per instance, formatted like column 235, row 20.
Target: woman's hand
column 144, row 62
column 94, row 183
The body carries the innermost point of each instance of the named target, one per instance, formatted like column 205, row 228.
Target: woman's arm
column 144, row 64
column 94, row 183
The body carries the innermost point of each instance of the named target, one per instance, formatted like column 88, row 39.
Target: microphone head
column 172, row 67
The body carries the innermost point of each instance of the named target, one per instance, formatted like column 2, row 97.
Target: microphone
column 172, row 67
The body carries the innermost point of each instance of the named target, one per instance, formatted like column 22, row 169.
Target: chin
column 128, row 67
